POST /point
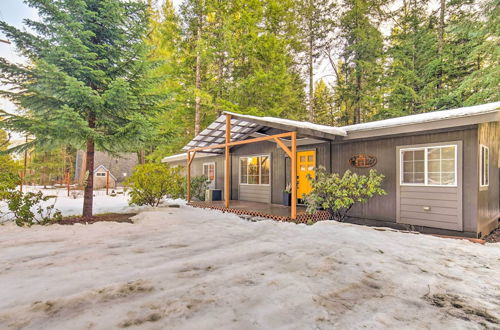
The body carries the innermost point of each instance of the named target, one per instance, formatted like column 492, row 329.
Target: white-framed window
column 209, row 171
column 100, row 174
column 255, row 170
column 429, row 166
column 484, row 166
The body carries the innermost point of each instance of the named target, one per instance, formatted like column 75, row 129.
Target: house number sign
column 362, row 161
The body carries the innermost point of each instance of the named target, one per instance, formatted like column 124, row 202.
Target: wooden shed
column 442, row 168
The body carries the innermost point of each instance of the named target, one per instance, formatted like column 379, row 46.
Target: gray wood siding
column 444, row 203
column 280, row 165
column 489, row 198
column 255, row 193
column 197, row 168
column 385, row 207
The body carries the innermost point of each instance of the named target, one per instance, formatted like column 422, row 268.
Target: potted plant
column 287, row 195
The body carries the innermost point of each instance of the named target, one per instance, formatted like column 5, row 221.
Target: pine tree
column 483, row 55
column 412, row 47
column 85, row 80
column 456, row 24
column 362, row 60
column 9, row 176
column 50, row 167
column 317, row 22
column 324, row 105
column 171, row 72
column 247, row 63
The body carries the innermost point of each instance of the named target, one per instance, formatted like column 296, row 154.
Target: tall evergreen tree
column 324, row 105
column 317, row 22
column 247, row 61
column 456, row 23
column 84, row 82
column 266, row 78
column 482, row 83
column 412, row 47
column 362, row 59
column 174, row 121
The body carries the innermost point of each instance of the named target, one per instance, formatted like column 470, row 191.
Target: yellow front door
column 306, row 162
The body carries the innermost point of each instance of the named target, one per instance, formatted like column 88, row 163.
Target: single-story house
column 120, row 167
column 441, row 168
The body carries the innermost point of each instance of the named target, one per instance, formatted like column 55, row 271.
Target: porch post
column 189, row 176
column 294, row 175
column 227, row 181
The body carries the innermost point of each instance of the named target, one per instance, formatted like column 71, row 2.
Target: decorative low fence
column 301, row 217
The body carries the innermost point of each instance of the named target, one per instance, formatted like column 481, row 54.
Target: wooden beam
column 227, row 181
column 283, row 146
column 235, row 143
column 192, row 157
column 189, row 176
column 294, row 176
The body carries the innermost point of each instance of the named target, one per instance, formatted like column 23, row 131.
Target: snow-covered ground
column 188, row 268
column 73, row 204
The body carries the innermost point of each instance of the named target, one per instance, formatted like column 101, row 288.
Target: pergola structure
column 232, row 129
column 247, row 128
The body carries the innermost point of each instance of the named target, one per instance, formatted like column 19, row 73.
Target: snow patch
column 187, row 268
column 426, row 117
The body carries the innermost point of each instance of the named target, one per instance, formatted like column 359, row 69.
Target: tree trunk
column 311, row 73
column 43, row 175
column 442, row 9
column 142, row 157
column 197, row 107
column 88, row 195
column 357, row 109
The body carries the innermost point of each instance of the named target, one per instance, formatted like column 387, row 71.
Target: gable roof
column 105, row 170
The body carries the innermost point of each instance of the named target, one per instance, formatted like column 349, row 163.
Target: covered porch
column 235, row 131
column 265, row 210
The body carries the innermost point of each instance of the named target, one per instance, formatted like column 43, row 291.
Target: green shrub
column 27, row 209
column 199, row 184
column 9, row 178
column 152, row 182
column 337, row 194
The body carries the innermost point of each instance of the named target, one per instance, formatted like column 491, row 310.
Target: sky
column 12, row 12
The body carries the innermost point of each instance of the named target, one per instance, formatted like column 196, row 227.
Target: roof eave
column 425, row 126
column 307, row 132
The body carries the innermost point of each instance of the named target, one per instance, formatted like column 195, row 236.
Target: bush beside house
column 337, row 194
column 152, row 182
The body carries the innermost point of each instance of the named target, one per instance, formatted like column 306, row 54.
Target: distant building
column 120, row 167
